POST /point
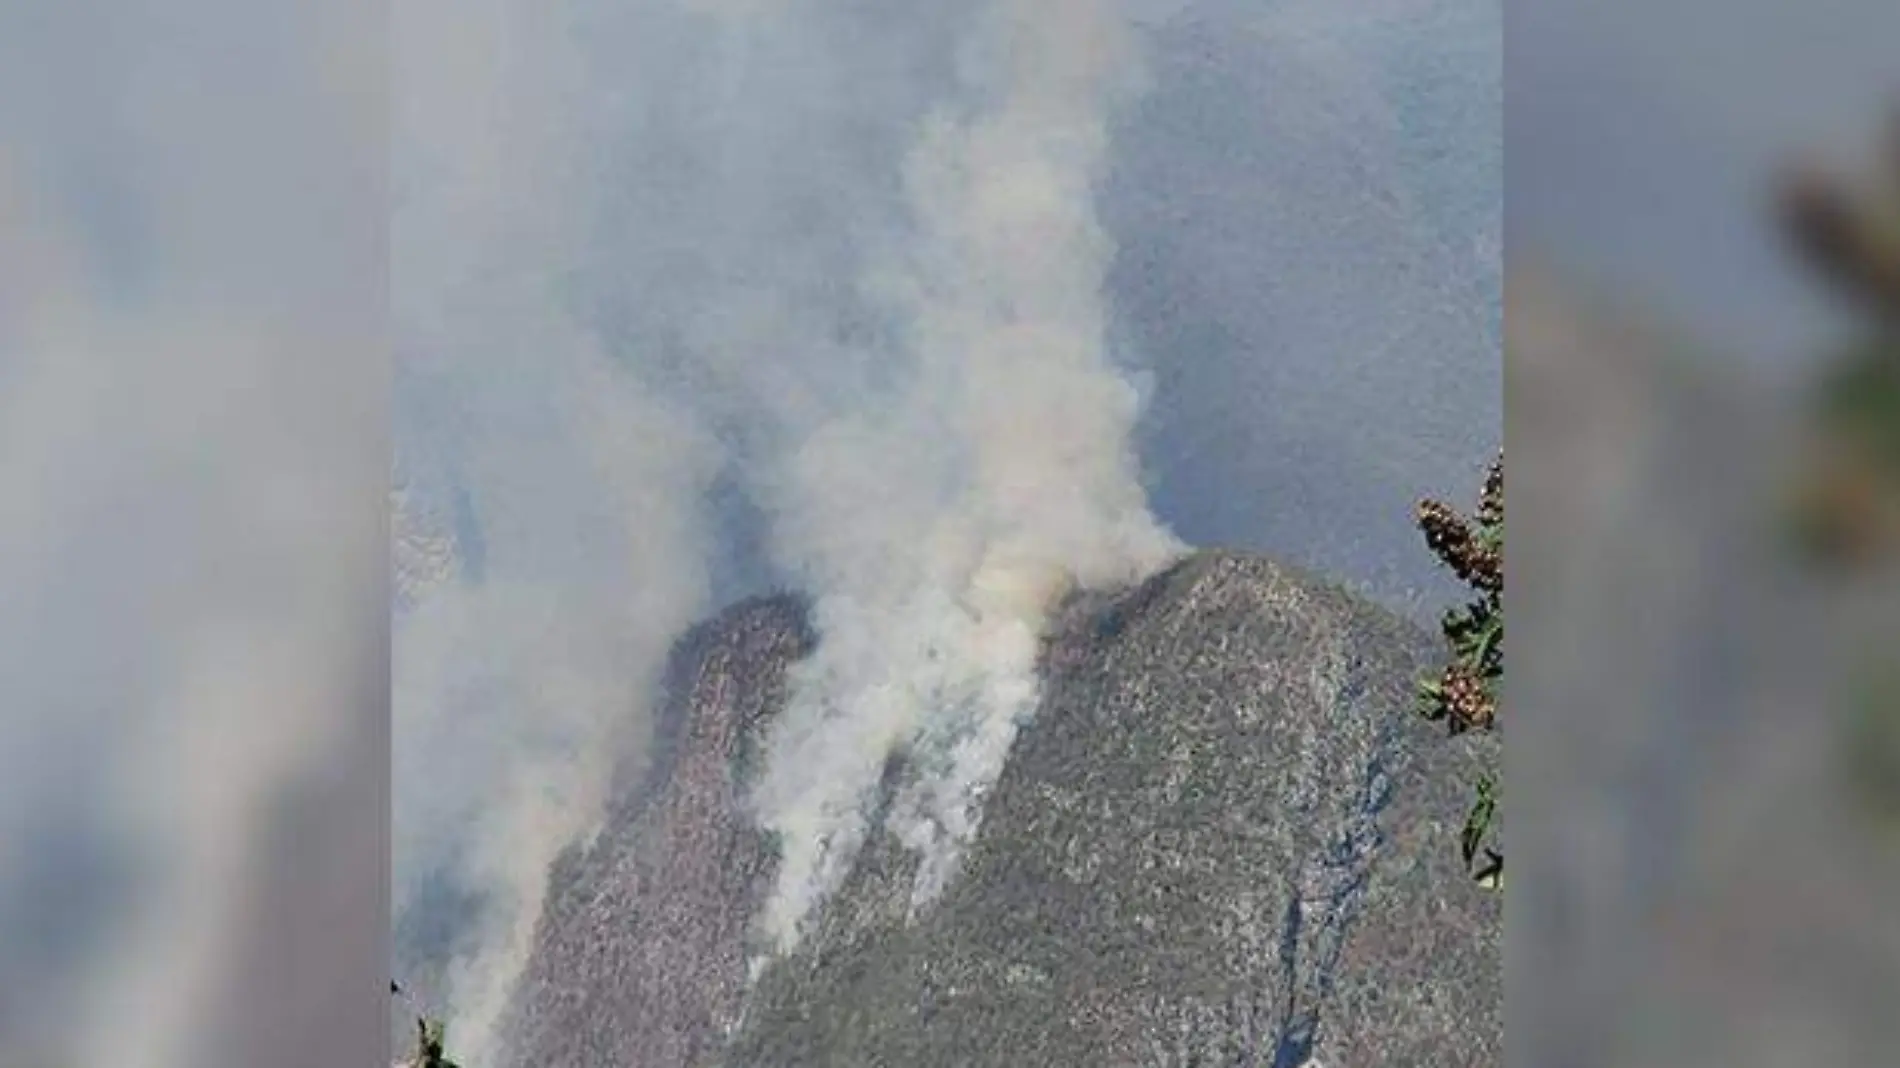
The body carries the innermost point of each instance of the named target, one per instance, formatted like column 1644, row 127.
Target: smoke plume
column 547, row 503
column 936, row 529
column 839, row 257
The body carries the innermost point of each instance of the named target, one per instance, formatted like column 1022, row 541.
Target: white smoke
column 846, row 251
column 563, row 492
column 516, row 689
column 936, row 531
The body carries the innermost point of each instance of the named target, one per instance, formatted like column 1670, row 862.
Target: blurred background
column 193, row 475
column 1700, row 409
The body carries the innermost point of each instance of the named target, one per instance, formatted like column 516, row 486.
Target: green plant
column 1478, row 824
column 1846, row 489
column 1846, row 506
column 1464, row 694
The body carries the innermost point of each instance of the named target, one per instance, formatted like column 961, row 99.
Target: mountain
column 1225, row 839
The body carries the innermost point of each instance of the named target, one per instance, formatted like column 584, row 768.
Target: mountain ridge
column 1223, row 839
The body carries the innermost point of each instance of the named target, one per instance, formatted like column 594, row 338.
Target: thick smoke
column 515, row 689
column 841, row 257
column 937, row 529
column 547, row 507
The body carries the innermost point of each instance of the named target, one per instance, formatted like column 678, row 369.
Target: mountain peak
column 1224, row 835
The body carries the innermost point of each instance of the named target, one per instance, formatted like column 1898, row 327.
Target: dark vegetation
column 1847, row 492
column 1464, row 694
column 1847, row 507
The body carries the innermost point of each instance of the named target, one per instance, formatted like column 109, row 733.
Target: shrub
column 1464, row 694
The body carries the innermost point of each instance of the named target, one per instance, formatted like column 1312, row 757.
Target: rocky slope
column 1224, row 840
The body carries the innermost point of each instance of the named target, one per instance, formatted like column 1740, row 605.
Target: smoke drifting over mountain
column 548, row 504
column 936, row 528
column 839, row 258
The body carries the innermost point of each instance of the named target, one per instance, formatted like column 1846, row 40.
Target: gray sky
column 1307, row 207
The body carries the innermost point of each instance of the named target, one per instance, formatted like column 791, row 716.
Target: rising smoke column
column 935, row 530
column 741, row 234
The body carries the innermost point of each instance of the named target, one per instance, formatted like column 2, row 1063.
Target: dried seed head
column 1843, row 237
column 1491, row 502
column 1451, row 537
column 1467, row 702
column 1445, row 530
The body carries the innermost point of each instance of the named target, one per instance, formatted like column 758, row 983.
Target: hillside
column 1224, row 839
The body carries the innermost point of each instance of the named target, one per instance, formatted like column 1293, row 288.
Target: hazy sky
column 1307, row 207
column 1304, row 206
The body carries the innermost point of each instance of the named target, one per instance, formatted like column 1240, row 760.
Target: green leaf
column 1478, row 822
